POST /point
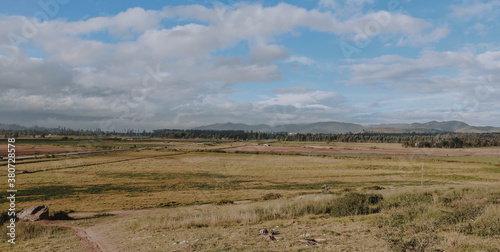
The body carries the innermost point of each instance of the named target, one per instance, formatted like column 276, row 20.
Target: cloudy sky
column 177, row 64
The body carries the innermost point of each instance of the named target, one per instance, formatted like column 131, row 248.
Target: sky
column 126, row 64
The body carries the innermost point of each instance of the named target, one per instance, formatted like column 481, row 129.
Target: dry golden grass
column 183, row 184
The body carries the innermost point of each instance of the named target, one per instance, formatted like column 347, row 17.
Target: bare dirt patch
column 368, row 150
column 89, row 237
column 31, row 150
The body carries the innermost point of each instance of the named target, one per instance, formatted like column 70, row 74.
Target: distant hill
column 432, row 127
column 390, row 125
column 323, row 127
column 341, row 127
column 449, row 126
column 12, row 127
column 236, row 126
column 319, row 127
column 327, row 127
column 20, row 127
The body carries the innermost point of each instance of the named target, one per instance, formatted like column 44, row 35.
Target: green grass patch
column 456, row 177
column 161, row 176
column 474, row 159
column 491, row 169
column 339, row 185
column 50, row 192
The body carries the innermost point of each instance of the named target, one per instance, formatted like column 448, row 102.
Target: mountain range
column 330, row 127
column 342, row 127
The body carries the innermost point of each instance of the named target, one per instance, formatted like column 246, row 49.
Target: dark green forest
column 419, row 140
column 410, row 140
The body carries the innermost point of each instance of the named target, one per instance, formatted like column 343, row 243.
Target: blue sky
column 120, row 65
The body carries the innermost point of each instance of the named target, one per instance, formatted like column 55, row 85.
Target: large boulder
column 34, row 213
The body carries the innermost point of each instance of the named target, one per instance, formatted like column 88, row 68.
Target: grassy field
column 200, row 198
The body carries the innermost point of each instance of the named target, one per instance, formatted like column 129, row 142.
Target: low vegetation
column 199, row 198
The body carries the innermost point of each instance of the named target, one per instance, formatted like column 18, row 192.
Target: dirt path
column 91, row 240
column 22, row 150
column 89, row 237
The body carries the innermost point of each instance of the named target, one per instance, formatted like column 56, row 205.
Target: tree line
column 418, row 140
column 412, row 140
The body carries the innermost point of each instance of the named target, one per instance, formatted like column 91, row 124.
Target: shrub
column 355, row 204
column 60, row 215
column 415, row 238
column 224, row 202
column 463, row 210
column 488, row 224
column 4, row 218
column 375, row 187
column 272, row 196
column 408, row 200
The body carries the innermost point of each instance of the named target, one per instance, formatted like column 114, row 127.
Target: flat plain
column 217, row 196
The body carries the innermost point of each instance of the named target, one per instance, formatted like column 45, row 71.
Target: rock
column 34, row 213
column 270, row 237
column 313, row 241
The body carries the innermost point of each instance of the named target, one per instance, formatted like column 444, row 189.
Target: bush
column 355, row 204
column 416, row 219
column 4, row 218
column 224, row 202
column 463, row 210
column 272, row 196
column 414, row 238
column 408, row 200
column 375, row 187
column 488, row 224
column 60, row 215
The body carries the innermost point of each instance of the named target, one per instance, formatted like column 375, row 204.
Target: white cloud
column 293, row 90
column 422, row 39
column 267, row 53
column 474, row 9
column 489, row 60
column 96, row 68
column 431, row 72
column 480, row 29
column 300, row 59
column 347, row 8
column 303, row 100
